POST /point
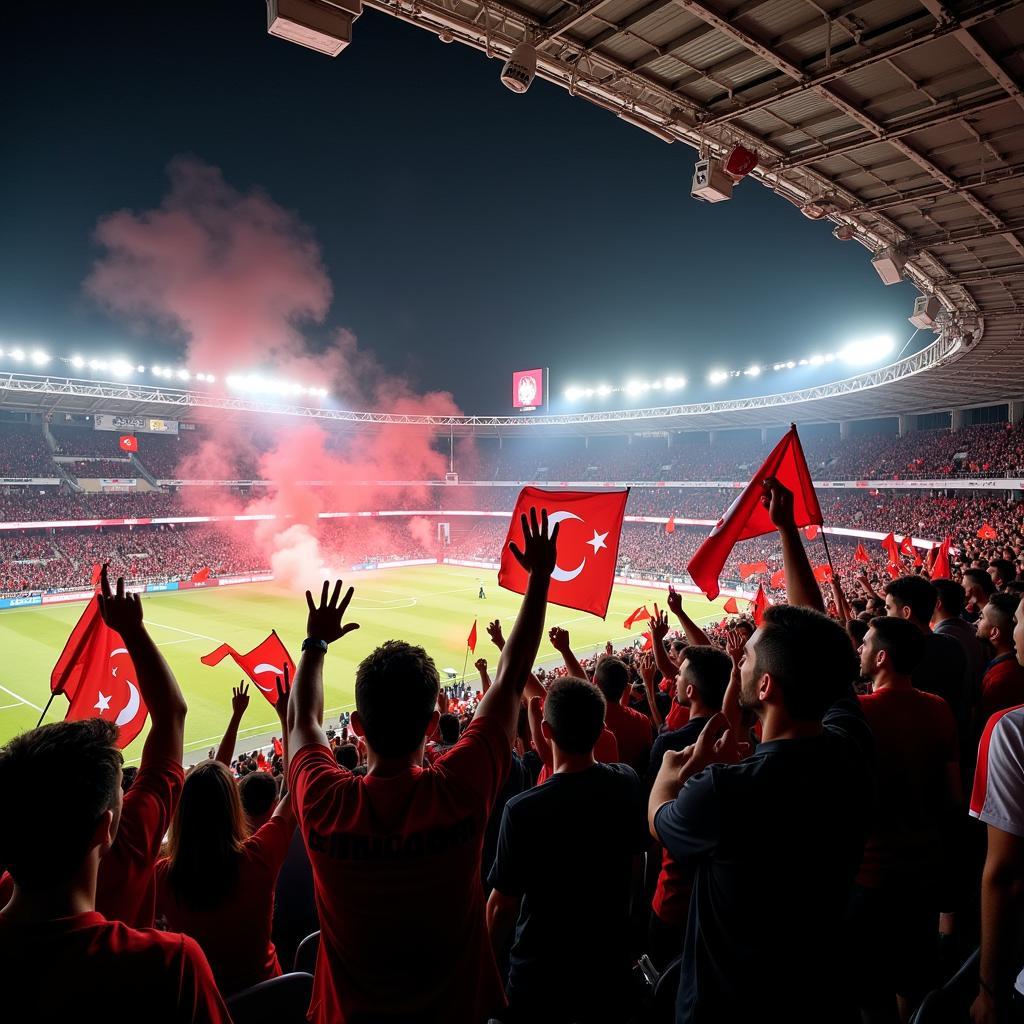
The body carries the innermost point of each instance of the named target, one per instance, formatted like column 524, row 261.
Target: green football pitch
column 430, row 605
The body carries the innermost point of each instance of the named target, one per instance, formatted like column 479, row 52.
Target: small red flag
column 129, row 443
column 812, row 531
column 641, row 614
column 589, row 527
column 861, row 554
column 918, row 560
column 748, row 569
column 731, row 606
column 264, row 662
column 97, row 572
column 778, row 580
column 906, row 546
column 670, row 526
column 202, row 575
column 940, row 567
column 891, row 548
column 747, row 516
column 278, row 747
column 823, row 573
column 471, row 639
column 987, row 532
column 648, row 641
column 97, row 675
column 894, row 569
column 759, row 605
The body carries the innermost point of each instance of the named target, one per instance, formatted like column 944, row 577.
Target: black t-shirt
column 517, row 781
column 776, row 841
column 675, row 739
column 566, row 848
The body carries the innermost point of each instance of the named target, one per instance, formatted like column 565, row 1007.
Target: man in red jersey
column 1002, row 685
column 896, row 899
column 386, row 845
column 61, row 958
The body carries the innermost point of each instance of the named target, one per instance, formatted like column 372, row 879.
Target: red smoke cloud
column 237, row 275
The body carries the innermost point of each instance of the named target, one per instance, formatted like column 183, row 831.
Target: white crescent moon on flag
column 558, row 573
column 131, row 709
column 265, row 667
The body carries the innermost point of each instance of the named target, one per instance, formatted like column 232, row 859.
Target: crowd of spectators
column 24, row 451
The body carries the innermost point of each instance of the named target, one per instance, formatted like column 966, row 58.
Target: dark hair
column 1006, row 569
column 58, row 781
column 952, row 595
column 1005, row 606
column 449, row 728
column 857, row 630
column 611, row 677
column 1014, row 587
column 206, row 837
column 917, row 593
column 902, row 640
column 809, row 656
column 258, row 793
column 574, row 710
column 708, row 670
column 347, row 756
column 396, row 691
column 128, row 777
column 981, row 579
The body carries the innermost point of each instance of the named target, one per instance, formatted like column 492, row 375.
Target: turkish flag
column 589, row 527
column 97, row 572
column 940, row 567
column 823, row 573
column 670, row 526
column 731, row 606
column 759, row 605
column 906, row 546
column 648, row 641
column 778, row 580
column 894, row 569
column 471, row 639
column 987, row 532
column 748, row 569
column 918, row 560
column 861, row 554
column 811, row 532
column 129, row 443
column 891, row 548
column 278, row 747
column 263, row 664
column 747, row 516
column 202, row 575
column 97, row 675
column 641, row 614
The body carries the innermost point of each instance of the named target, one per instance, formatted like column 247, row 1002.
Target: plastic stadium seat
column 282, row 1000
column 305, row 955
column 951, row 1003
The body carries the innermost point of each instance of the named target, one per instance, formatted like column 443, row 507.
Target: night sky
column 467, row 231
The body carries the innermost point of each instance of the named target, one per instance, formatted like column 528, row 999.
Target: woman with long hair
column 217, row 882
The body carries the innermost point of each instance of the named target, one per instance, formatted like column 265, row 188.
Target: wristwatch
column 312, row 643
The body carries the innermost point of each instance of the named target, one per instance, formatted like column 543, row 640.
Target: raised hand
column 324, row 620
column 675, row 602
column 778, row 499
column 658, row 626
column 480, row 665
column 734, row 645
column 284, row 688
column 538, row 553
column 608, row 649
column 442, row 700
column 121, row 611
column 646, row 668
column 559, row 639
column 239, row 698
column 495, row 633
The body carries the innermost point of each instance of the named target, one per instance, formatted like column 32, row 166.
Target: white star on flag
column 598, row 542
column 103, row 704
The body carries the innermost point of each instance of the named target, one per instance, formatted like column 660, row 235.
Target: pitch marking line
column 18, row 696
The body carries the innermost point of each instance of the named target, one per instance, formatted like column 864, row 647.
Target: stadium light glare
column 867, row 350
column 183, row 375
column 573, row 393
column 816, row 360
column 634, row 387
column 603, row 391
column 718, row 376
column 753, row 371
column 39, row 358
column 121, row 368
column 17, row 354
column 790, row 364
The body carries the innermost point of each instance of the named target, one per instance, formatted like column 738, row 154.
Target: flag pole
column 47, row 708
column 828, row 554
column 464, row 664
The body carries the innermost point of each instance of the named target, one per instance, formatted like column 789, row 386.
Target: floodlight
column 40, row 358
column 843, row 232
column 519, row 69
column 790, row 364
column 603, row 390
column 753, row 371
column 889, row 264
column 573, row 393
column 816, row 360
column 120, row 368
column 17, row 354
column 183, row 375
column 867, row 350
column 140, row 368
column 717, row 376
column 634, row 387
column 926, row 312
column 94, row 364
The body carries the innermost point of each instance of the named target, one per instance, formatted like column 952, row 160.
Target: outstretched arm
column 160, row 692
column 647, row 675
column 537, row 557
column 306, row 700
column 801, row 586
column 485, row 680
column 694, row 634
column 239, row 702
column 659, row 630
column 560, row 641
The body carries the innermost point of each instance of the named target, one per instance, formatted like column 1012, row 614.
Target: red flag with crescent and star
column 747, row 516
column 97, row 675
column 589, row 527
column 263, row 664
column 128, row 443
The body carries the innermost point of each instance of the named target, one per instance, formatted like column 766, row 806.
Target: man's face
column 985, row 624
column 868, row 655
column 749, row 677
column 994, row 575
column 1018, row 632
column 681, row 683
column 894, row 609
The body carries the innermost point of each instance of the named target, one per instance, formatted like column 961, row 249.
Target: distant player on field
column 482, row 596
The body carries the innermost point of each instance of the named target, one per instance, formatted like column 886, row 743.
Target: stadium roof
column 902, row 119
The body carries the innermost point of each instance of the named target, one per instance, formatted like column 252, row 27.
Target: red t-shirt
column 125, row 887
column 678, row 716
column 396, row 870
column 235, row 936
column 1002, row 686
column 915, row 742
column 86, row 967
column 633, row 734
